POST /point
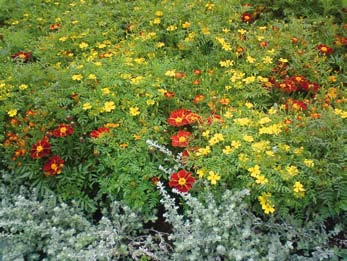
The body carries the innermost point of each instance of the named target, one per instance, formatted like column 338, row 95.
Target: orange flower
column 182, row 181
column 53, row 166
column 40, row 149
column 54, row 27
column 169, row 94
column 181, row 139
column 22, row 56
column 63, row 130
column 198, row 98
column 247, row 18
column 98, row 133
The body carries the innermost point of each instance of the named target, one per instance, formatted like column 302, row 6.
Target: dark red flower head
column 181, row 139
column 63, row 130
column 295, row 105
column 53, row 166
column 178, row 118
column 247, row 18
column 40, row 149
column 182, row 181
column 54, row 27
column 22, row 56
column 98, row 133
column 324, row 49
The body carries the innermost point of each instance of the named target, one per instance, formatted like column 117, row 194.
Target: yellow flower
column 282, row 60
column 160, row 45
column 292, row 170
column 261, row 180
column 242, row 121
column 268, row 209
column 185, row 25
column 267, row 60
column 264, row 120
column 134, row 111
column 108, row 106
column 159, row 13
column 270, row 153
column 150, row 102
column 242, row 157
column 272, row 129
column 209, row 6
column 92, row 76
column 171, row 28
column 201, row 173
column 216, row 138
column 249, row 79
column 83, row 45
column 247, row 138
column 226, row 63
column 170, row 73
column 254, row 171
column 309, row 163
column 77, row 77
column 105, row 91
column 235, row 144
column 206, row 133
column 86, row 106
column 203, row 151
column 265, row 202
column 299, row 189
column 156, row 20
column 227, row 150
column 12, row 112
column 250, row 59
column 213, row 177
column 23, row 87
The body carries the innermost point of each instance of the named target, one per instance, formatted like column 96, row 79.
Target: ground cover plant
column 101, row 101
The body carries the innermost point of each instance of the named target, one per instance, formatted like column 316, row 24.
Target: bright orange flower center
column 247, row 17
column 182, row 181
column 22, row 56
column 178, row 120
column 54, row 166
column 324, row 49
column 39, row 148
column 63, row 130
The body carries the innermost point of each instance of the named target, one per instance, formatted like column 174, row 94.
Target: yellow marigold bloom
column 83, row 45
column 105, row 91
column 248, row 138
column 272, row 129
column 282, row 60
column 201, row 173
column 242, row 31
column 209, row 6
column 298, row 151
column 156, row 20
column 205, row 31
column 250, row 59
column 264, row 120
column 260, row 146
column 254, row 171
column 134, row 111
column 171, row 28
column 272, row 111
column 136, row 80
column 261, row 180
column 268, row 209
column 185, row 25
column 267, row 60
column 216, row 138
column 150, row 102
column 12, row 112
column 265, row 203
column 292, row 170
column 92, row 76
column 226, row 63
column 298, row 187
column 213, row 177
column 249, row 79
column 242, row 157
column 23, row 87
column 309, row 163
column 109, row 106
column 62, row 39
column 77, row 77
column 249, row 105
column 235, row 144
column 339, row 112
column 242, row 121
column 270, row 153
column 170, row 73
column 203, row 151
column 86, row 106
column 160, row 45
column 225, row 30
column 159, row 13
column 206, row 133
column 227, row 150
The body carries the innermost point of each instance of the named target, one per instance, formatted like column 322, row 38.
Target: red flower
column 295, row 105
column 178, row 118
column 53, row 166
column 22, row 56
column 54, row 27
column 182, row 181
column 247, row 18
column 193, row 117
column 324, row 49
column 63, row 130
column 40, row 149
column 169, row 94
column 97, row 133
column 199, row 98
column 181, row 139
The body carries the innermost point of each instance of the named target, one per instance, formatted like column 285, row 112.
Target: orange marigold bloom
column 22, row 56
column 169, row 94
column 54, row 27
column 40, row 149
column 53, row 166
column 182, row 181
column 178, row 118
column 63, row 130
column 198, row 98
column 181, row 139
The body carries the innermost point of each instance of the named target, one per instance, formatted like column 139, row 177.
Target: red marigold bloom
column 22, row 56
column 63, row 130
column 178, row 118
column 97, row 133
column 182, row 181
column 181, row 139
column 53, row 166
column 295, row 105
column 40, row 149
column 54, row 27
column 193, row 117
column 324, row 49
column 247, row 18
column 263, row 44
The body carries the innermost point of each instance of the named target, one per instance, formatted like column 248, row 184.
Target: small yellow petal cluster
column 203, row 151
column 299, row 189
column 256, row 173
column 134, row 111
column 218, row 137
column 213, row 177
column 108, row 106
column 273, row 129
column 265, row 202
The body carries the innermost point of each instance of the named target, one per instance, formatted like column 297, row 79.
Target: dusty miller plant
column 227, row 230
